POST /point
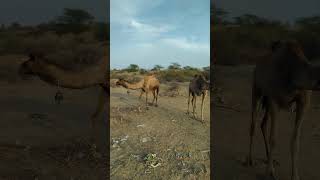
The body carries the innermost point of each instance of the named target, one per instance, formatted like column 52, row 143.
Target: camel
column 55, row 75
column 147, row 84
column 283, row 79
column 198, row 86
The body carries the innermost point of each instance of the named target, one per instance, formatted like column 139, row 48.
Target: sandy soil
column 231, row 133
column 40, row 139
column 180, row 143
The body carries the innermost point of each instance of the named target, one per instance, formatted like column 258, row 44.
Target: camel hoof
column 147, row 108
column 156, row 105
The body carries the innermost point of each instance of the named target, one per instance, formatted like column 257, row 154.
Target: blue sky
column 150, row 32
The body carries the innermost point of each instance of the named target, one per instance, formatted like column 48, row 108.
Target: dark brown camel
column 284, row 78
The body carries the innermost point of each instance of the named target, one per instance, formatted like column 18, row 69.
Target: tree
column 3, row 27
column 206, row 68
column 143, row 71
column 75, row 16
column 73, row 20
column 133, row 68
column 157, row 68
column 15, row 25
column 189, row 68
column 250, row 19
column 174, row 66
column 312, row 22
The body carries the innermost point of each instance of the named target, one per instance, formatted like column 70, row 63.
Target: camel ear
column 275, row 45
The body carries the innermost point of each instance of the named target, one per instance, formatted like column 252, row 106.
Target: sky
column 31, row 12
column 159, row 32
column 284, row 10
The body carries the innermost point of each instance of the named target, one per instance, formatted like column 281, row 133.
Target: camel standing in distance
column 286, row 77
column 147, row 84
column 198, row 86
column 59, row 76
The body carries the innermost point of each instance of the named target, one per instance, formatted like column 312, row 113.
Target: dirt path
column 231, row 132
column 181, row 142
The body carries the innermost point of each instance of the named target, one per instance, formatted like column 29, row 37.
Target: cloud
column 164, row 52
column 148, row 28
column 122, row 11
column 149, row 32
column 184, row 43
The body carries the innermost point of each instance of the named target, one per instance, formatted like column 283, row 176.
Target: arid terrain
column 159, row 143
column 231, row 132
column 40, row 139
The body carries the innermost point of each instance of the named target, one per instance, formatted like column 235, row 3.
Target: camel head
column 203, row 84
column 121, row 82
column 26, row 68
column 302, row 74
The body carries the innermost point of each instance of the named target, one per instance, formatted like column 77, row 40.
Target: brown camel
column 147, row 84
column 59, row 76
column 284, row 78
column 198, row 86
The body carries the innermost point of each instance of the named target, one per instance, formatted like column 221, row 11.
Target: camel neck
column 134, row 86
column 53, row 74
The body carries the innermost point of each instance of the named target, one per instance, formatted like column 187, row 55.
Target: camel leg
column 189, row 102
column 202, row 102
column 157, row 91
column 154, row 96
column 146, row 99
column 272, row 139
column 194, row 106
column 101, row 102
column 254, row 112
column 141, row 94
column 193, row 103
column 263, row 127
column 295, row 141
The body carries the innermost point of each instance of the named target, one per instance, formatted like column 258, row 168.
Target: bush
column 177, row 75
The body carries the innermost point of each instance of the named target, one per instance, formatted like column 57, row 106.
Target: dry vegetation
column 162, row 142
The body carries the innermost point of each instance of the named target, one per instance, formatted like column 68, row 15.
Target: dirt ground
column 231, row 133
column 177, row 145
column 43, row 140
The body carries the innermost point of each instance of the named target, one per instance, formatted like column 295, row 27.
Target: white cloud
column 122, row 11
column 164, row 52
column 184, row 43
column 148, row 28
column 142, row 35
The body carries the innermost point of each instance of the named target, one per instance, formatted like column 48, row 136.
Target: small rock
column 146, row 139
